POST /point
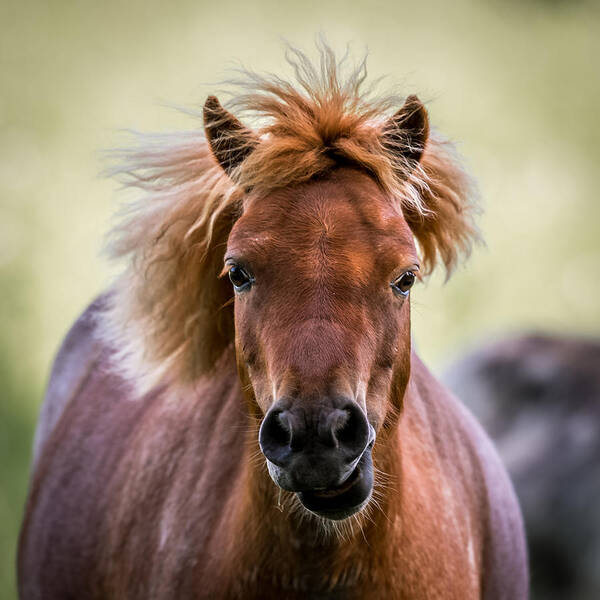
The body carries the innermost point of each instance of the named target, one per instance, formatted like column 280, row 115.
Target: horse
column 241, row 414
column 537, row 395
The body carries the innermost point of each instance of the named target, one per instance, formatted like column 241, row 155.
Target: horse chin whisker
column 328, row 530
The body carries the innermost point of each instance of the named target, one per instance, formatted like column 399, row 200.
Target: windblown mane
column 170, row 316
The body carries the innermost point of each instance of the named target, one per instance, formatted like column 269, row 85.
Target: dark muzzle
column 322, row 452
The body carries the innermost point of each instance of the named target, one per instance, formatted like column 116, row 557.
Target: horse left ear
column 406, row 133
column 230, row 141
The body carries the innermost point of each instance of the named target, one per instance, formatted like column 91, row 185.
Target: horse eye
column 240, row 278
column 403, row 284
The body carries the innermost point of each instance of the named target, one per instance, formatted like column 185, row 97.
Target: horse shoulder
column 481, row 482
column 118, row 475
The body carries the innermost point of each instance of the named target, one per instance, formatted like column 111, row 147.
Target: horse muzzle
column 322, row 452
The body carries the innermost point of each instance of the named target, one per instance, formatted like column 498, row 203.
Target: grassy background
column 515, row 83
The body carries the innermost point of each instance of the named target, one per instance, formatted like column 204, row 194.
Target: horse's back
column 75, row 359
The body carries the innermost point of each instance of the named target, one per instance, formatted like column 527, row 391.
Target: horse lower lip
column 350, row 497
column 332, row 493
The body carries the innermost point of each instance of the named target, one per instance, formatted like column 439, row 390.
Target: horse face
column 322, row 274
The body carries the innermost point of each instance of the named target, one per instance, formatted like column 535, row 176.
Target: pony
column 241, row 415
column 537, row 396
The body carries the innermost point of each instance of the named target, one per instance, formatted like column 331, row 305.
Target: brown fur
column 132, row 499
column 151, row 483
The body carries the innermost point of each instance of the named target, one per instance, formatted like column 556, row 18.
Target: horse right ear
column 230, row 141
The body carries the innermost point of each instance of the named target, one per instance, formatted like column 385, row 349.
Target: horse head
column 322, row 218
column 322, row 272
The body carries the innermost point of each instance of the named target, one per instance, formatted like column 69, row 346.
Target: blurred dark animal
column 278, row 439
column 539, row 398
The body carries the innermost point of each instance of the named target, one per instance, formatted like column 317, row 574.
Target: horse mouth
column 345, row 500
column 332, row 493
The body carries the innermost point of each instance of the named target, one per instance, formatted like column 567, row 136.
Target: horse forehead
column 347, row 211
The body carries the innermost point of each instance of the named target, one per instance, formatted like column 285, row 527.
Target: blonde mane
column 170, row 317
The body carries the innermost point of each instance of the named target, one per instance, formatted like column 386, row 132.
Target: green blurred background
column 515, row 83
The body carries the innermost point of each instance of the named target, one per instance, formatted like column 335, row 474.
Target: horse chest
column 250, row 585
column 401, row 571
column 254, row 584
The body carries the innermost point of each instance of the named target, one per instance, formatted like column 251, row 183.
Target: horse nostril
column 346, row 433
column 280, row 429
column 275, row 436
column 332, row 435
column 352, row 432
